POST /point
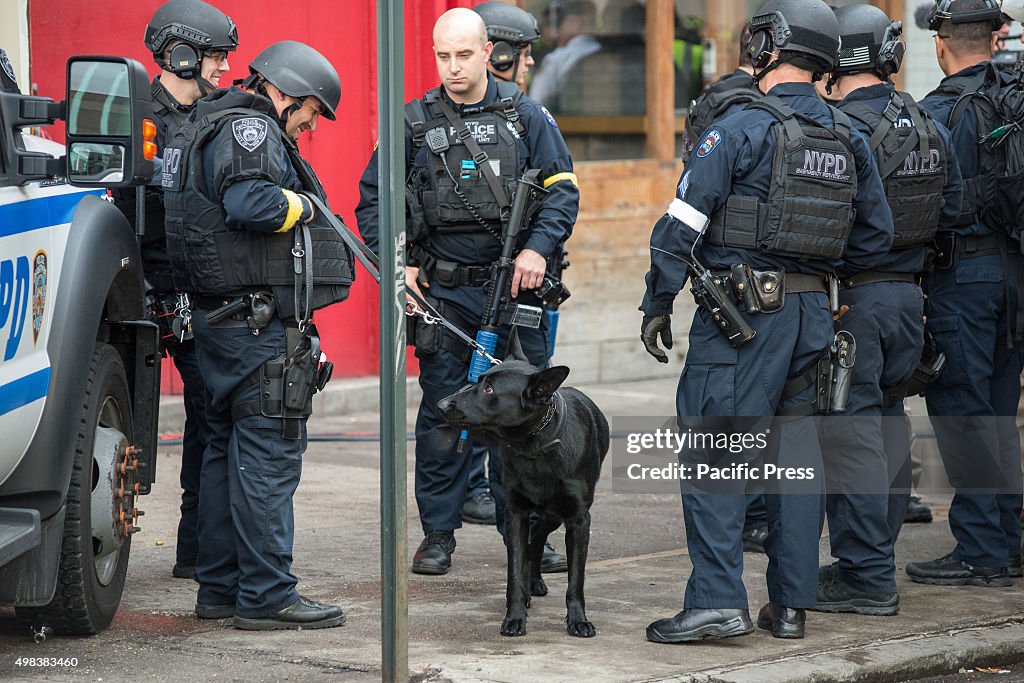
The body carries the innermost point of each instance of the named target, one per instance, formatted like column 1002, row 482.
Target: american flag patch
column 854, row 56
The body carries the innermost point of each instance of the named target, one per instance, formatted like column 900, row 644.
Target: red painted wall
column 343, row 31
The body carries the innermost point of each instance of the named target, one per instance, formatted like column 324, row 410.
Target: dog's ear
column 515, row 349
column 543, row 384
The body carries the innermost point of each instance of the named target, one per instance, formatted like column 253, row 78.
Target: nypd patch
column 512, row 129
column 711, row 141
column 5, row 64
column 39, row 279
column 549, row 117
column 249, row 132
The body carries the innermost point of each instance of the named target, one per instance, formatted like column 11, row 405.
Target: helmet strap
column 832, row 80
column 205, row 86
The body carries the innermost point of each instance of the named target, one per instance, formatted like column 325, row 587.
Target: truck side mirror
column 110, row 129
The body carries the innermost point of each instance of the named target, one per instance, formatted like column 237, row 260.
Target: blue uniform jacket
column 543, row 148
column 256, row 204
column 740, row 162
column 965, row 140
column 912, row 260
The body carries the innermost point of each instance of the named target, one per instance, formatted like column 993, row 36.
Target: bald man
column 455, row 220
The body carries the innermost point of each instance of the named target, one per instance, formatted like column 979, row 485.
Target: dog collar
column 553, row 412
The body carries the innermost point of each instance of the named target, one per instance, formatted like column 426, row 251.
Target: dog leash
column 371, row 263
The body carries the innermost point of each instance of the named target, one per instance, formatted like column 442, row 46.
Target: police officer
column 884, row 312
column 727, row 95
column 512, row 31
column 242, row 235
column 972, row 310
column 755, row 255
column 190, row 41
column 455, row 222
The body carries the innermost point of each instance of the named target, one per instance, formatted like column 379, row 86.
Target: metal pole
column 394, row 594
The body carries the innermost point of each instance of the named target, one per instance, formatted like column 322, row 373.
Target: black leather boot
column 434, row 556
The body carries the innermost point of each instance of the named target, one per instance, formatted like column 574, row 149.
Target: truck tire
column 91, row 577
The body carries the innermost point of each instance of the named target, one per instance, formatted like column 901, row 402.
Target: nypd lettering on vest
column 825, row 165
column 172, row 164
column 915, row 164
column 249, row 132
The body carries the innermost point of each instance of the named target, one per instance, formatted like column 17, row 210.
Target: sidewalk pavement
column 636, row 573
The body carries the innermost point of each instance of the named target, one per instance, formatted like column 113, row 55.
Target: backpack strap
column 416, row 119
column 783, row 113
column 923, row 124
column 509, row 96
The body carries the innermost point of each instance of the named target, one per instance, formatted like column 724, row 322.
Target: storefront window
column 591, row 65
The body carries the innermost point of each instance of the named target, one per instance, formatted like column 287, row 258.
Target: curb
column 901, row 659
column 341, row 397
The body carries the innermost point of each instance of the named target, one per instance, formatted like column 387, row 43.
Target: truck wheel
column 96, row 544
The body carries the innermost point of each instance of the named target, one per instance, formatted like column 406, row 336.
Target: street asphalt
column 636, row 573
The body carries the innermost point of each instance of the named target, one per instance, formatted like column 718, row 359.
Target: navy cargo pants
column 973, row 404
column 250, row 473
column 719, row 380
column 860, row 463
column 193, row 445
column 441, row 472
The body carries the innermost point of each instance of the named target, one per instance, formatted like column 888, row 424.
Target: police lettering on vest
column 809, row 212
column 207, row 257
column 911, row 159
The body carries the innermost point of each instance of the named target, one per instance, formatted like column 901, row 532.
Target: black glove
column 649, row 330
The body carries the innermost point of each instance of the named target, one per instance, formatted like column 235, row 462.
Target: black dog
column 552, row 442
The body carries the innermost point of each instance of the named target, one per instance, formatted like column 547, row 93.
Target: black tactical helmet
column 805, row 27
column 194, row 22
column 870, row 41
column 299, row 71
column 508, row 23
column 960, row 12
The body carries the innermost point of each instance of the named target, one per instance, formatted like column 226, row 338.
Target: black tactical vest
column 912, row 162
column 154, row 242
column 994, row 193
column 809, row 212
column 207, row 257
column 455, row 171
column 733, row 90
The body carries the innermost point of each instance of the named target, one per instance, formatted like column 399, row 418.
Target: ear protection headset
column 890, row 55
column 184, row 61
column 504, row 55
column 760, row 47
column 767, row 32
column 991, row 12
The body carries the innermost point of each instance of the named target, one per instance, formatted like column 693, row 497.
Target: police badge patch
column 250, row 132
column 710, row 142
column 39, row 278
column 549, row 117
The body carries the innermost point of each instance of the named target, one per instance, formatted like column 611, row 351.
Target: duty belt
column 796, row 283
column 870, row 277
column 793, row 283
column 451, row 274
column 976, row 246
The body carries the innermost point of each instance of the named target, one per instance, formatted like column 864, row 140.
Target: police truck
column 79, row 360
